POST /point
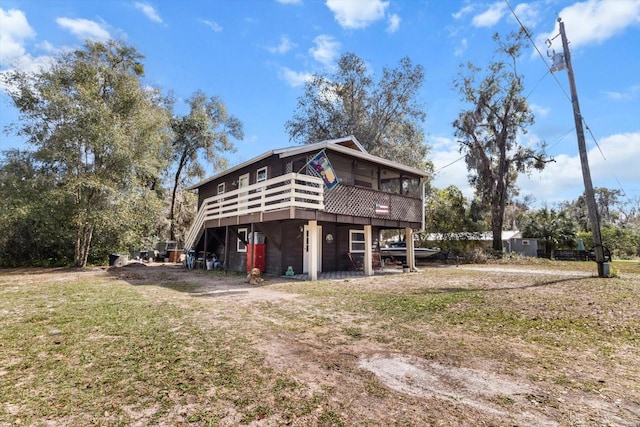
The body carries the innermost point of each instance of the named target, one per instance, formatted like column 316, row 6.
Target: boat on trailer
column 398, row 251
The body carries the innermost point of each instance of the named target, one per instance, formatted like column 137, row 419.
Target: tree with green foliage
column 384, row 116
column 488, row 131
column 206, row 131
column 622, row 243
column 33, row 226
column 448, row 214
column 619, row 221
column 607, row 201
column 98, row 137
column 555, row 228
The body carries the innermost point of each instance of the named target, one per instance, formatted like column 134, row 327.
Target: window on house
column 242, row 237
column 261, row 176
column 221, row 188
column 411, row 186
column 243, row 181
column 390, row 185
column 356, row 241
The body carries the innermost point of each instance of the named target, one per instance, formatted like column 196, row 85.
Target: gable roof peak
column 346, row 141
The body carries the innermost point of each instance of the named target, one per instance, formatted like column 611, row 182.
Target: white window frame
column 263, row 178
column 353, row 241
column 240, row 246
column 264, row 170
column 243, row 177
column 223, row 187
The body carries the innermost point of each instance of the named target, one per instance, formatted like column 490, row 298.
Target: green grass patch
column 101, row 349
column 86, row 350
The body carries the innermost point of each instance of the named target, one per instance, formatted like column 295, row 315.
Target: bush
column 477, row 256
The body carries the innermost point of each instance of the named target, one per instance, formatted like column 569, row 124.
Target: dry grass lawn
column 526, row 345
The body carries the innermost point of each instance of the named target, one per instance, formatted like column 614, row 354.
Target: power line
column 594, row 139
column 526, row 32
column 446, row 166
column 537, row 84
column 557, row 82
column 560, row 138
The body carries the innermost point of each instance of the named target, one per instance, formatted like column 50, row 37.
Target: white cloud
column 285, row 46
column 528, row 14
column 462, row 12
column 491, row 16
column 357, row 14
column 443, row 143
column 394, row 23
column 539, row 110
column 212, row 24
column 326, row 49
column 562, row 180
column 294, row 78
column 461, row 48
column 559, row 181
column 621, row 151
column 84, row 28
column 450, row 167
column 149, row 11
column 13, row 32
column 594, row 21
column 48, row 47
column 631, row 92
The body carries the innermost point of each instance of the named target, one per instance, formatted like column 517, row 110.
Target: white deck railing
column 282, row 192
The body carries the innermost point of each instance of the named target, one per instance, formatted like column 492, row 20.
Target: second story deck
column 302, row 196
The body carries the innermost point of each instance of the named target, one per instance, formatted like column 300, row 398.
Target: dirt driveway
column 467, row 345
column 461, row 376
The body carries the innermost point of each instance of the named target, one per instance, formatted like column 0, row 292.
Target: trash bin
column 114, row 259
column 256, row 252
column 606, row 270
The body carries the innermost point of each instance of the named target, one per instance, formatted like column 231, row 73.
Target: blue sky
column 256, row 55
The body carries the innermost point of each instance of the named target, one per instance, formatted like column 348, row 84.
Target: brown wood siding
column 342, row 246
column 273, row 253
column 347, row 207
column 284, row 245
column 274, row 168
column 329, row 250
column 237, row 260
column 292, row 245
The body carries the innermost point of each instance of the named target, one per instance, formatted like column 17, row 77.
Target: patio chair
column 376, row 261
column 354, row 264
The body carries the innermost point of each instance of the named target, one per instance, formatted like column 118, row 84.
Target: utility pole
column 584, row 160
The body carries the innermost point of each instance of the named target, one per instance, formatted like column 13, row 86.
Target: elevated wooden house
column 309, row 208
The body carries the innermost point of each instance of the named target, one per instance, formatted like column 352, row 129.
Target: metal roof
column 475, row 236
column 348, row 145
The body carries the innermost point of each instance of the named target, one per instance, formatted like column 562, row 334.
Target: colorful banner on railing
column 322, row 166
